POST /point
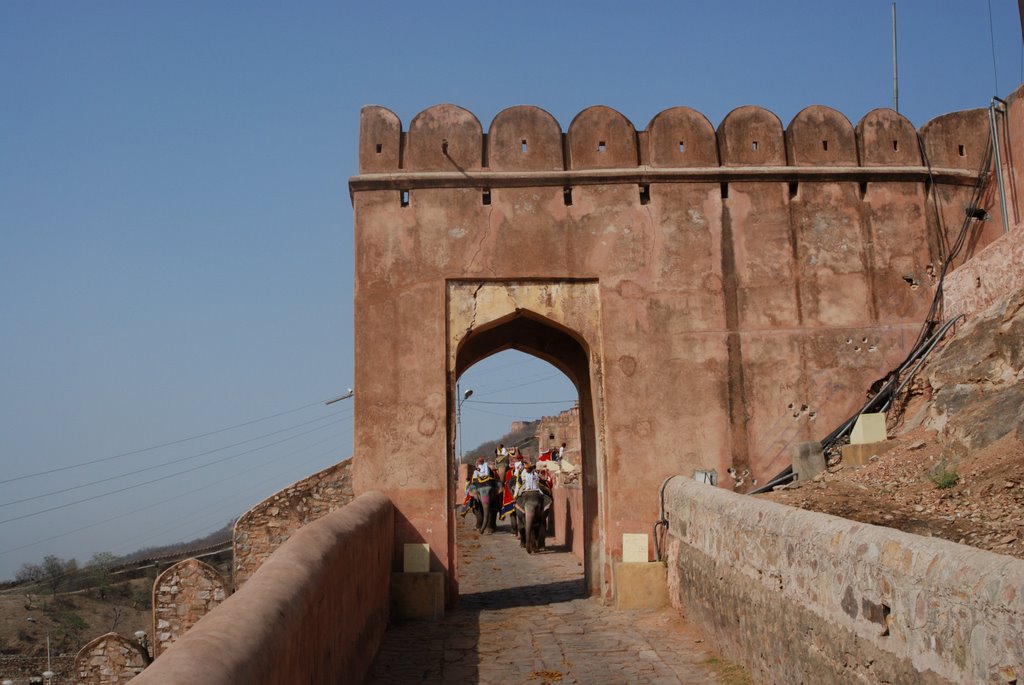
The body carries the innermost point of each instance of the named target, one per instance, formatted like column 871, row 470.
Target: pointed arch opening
column 567, row 349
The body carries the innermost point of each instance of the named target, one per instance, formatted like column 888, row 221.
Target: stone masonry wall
column 108, row 660
column 799, row 596
column 182, row 595
column 262, row 529
column 565, row 426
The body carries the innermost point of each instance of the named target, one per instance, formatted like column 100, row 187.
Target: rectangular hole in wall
column 895, row 146
column 863, row 187
column 487, row 196
column 567, row 196
column 960, row 149
column 824, row 145
column 379, row 148
column 753, row 146
column 645, row 194
column 405, row 198
column 794, row 188
column 725, row 191
column 601, row 146
column 522, row 145
column 682, row 147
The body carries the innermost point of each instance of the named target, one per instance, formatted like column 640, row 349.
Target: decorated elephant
column 531, row 511
column 486, row 496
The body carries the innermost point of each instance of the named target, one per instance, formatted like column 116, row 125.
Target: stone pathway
column 527, row 619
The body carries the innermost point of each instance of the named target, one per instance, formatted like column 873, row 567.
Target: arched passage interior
column 545, row 339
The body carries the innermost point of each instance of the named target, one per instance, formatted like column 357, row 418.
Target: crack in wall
column 472, row 319
column 480, row 244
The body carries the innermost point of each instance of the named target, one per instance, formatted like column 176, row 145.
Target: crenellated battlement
column 445, row 145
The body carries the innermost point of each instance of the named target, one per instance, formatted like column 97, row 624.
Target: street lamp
column 48, row 673
column 458, row 417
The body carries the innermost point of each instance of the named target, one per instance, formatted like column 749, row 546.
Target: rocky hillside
column 956, row 469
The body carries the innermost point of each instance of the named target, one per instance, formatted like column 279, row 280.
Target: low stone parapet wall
column 568, row 514
column 799, row 596
column 314, row 612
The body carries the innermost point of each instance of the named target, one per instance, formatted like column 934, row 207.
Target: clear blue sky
column 176, row 252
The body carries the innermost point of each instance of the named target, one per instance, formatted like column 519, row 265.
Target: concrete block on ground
column 641, row 585
column 869, row 428
column 417, row 596
column 808, row 460
column 858, row 455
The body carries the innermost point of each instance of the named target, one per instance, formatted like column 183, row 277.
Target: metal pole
column 458, row 418
column 895, row 70
column 992, row 109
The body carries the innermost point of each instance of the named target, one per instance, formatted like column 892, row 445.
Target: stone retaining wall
column 798, row 596
column 182, row 595
column 109, row 659
column 314, row 612
column 262, row 529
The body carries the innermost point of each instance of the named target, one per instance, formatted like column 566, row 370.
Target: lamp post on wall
column 458, row 416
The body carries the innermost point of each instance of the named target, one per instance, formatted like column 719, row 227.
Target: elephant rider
column 500, row 455
column 481, row 474
column 530, row 480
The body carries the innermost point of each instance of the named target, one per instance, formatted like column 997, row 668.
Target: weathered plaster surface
column 750, row 283
column 799, row 596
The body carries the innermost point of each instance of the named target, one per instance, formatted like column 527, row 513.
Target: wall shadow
column 500, row 579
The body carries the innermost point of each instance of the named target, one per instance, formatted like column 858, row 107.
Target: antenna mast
column 895, row 71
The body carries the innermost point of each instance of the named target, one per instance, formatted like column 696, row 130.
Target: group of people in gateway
column 516, row 474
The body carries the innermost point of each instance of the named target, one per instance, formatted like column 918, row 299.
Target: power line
column 537, row 402
column 520, row 385
column 165, row 444
column 165, row 463
column 178, row 496
column 161, row 478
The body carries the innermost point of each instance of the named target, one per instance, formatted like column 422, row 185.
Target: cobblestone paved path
column 527, row 619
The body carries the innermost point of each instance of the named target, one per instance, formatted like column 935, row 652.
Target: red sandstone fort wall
column 753, row 279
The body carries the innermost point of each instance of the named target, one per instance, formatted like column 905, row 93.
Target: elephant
column 531, row 512
column 487, row 496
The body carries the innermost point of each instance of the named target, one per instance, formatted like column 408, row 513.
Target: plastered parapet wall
column 314, row 612
column 799, row 596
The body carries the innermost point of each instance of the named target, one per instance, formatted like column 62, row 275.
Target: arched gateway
column 715, row 296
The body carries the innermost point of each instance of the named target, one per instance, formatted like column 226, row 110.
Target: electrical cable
column 161, row 478
column 539, row 402
column 165, row 444
column 176, row 497
column 162, row 464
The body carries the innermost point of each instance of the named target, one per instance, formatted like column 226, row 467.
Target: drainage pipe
column 998, row 105
column 662, row 521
